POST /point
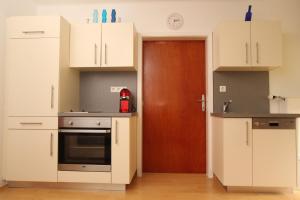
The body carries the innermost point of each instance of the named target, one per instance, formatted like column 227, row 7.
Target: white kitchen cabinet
column 266, row 44
column 274, row 158
column 232, row 151
column 118, row 45
column 109, row 46
column 85, row 45
column 31, row 155
column 123, row 150
column 38, row 79
column 246, row 46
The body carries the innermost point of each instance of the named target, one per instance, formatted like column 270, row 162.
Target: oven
column 84, row 144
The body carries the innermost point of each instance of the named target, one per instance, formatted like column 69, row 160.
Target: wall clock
column 175, row 21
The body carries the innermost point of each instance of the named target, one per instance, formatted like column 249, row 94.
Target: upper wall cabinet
column 246, row 46
column 110, row 46
column 85, row 42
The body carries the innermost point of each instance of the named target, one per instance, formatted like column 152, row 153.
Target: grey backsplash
column 248, row 91
column 95, row 92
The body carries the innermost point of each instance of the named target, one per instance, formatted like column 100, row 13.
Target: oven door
column 84, row 150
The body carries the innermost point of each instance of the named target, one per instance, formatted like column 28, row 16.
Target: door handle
column 117, row 133
column 257, row 53
column 247, row 133
column 52, row 96
column 247, row 49
column 105, row 54
column 95, row 54
column 51, row 144
column 203, row 102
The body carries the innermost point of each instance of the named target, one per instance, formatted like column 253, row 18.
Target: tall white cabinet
column 39, row 84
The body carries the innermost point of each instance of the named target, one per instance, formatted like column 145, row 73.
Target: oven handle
column 83, row 131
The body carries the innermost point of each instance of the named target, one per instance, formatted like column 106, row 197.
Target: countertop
column 91, row 114
column 253, row 115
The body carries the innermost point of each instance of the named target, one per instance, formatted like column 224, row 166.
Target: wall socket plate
column 116, row 89
column 222, row 88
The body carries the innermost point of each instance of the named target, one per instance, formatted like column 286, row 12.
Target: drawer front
column 84, row 177
column 33, row 27
column 31, row 123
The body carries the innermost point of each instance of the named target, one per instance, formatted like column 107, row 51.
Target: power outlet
column 116, row 89
column 222, row 88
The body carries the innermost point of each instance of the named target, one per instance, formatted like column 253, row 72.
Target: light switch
column 116, row 88
column 222, row 88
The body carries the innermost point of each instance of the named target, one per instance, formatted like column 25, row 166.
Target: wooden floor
column 150, row 187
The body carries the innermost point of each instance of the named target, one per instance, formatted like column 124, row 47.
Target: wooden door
column 85, row 45
column 266, row 38
column 174, row 135
column 32, row 76
column 117, row 45
column 32, row 155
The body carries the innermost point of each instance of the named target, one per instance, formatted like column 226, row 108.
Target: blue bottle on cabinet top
column 113, row 16
column 95, row 16
column 104, row 16
column 248, row 16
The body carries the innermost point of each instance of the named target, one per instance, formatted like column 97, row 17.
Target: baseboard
column 3, row 183
column 77, row 186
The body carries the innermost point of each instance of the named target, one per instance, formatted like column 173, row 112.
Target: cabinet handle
column 95, row 56
column 31, row 123
column 51, row 144
column 105, row 54
column 247, row 47
column 52, row 97
column 117, row 133
column 247, row 133
column 257, row 52
column 33, row 32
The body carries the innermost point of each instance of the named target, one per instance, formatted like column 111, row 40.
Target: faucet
column 226, row 105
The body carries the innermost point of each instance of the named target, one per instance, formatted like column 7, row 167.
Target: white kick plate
column 114, row 89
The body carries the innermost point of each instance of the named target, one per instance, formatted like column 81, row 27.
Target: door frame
column 207, row 37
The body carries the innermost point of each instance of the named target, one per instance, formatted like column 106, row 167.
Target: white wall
column 8, row 8
column 200, row 17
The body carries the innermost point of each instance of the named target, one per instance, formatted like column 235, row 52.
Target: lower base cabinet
column 123, row 162
column 31, row 155
column 243, row 156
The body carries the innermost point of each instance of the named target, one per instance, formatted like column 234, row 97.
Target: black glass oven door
column 89, row 147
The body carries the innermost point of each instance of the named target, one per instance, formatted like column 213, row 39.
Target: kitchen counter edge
column 254, row 115
column 97, row 114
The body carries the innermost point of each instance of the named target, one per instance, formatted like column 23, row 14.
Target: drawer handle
column 33, row 32
column 31, row 123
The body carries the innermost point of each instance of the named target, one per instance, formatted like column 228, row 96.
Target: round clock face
column 175, row 21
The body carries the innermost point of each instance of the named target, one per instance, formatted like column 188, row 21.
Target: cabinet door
column 32, row 77
column 266, row 44
column 117, row 45
column 31, row 155
column 85, row 45
column 233, row 49
column 237, row 152
column 274, row 158
column 121, row 151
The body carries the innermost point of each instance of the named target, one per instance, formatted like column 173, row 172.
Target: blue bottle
column 248, row 16
column 113, row 16
column 104, row 16
column 95, row 16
